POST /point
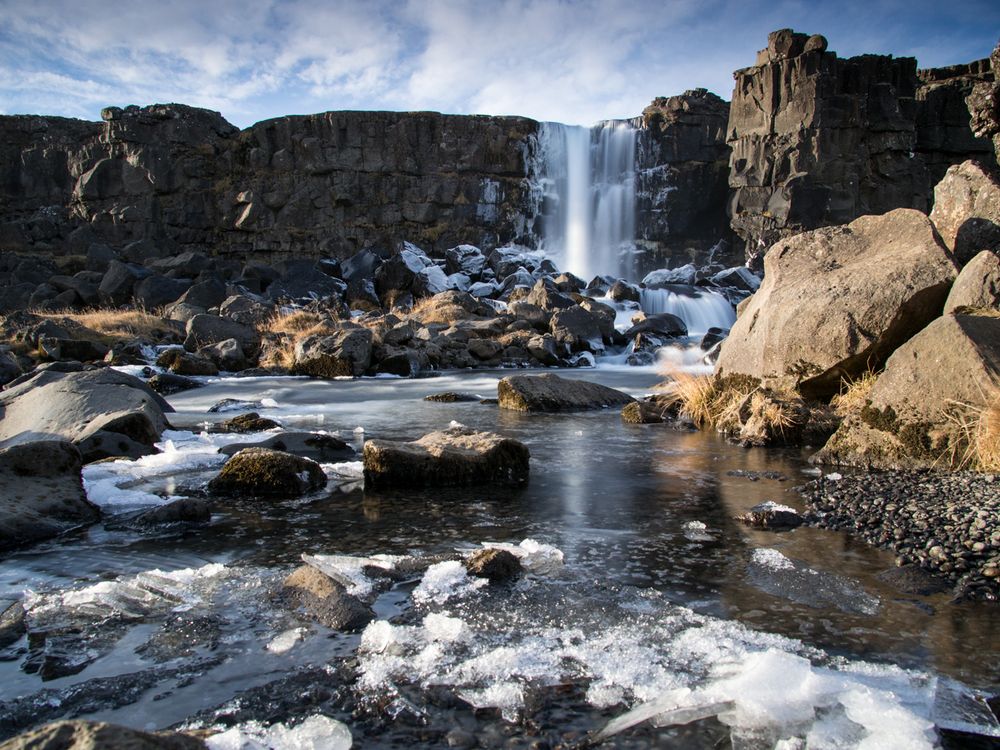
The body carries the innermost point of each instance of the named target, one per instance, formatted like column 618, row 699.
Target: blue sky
column 575, row 62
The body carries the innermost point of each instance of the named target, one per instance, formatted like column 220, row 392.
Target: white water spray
column 590, row 183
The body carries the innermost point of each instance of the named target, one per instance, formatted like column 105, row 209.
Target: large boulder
column 456, row 456
column 978, row 285
column 205, row 330
column 966, row 210
column 577, row 330
column 103, row 412
column 41, row 492
column 553, row 393
column 836, row 302
column 261, row 472
column 92, row 735
column 948, row 368
column 347, row 353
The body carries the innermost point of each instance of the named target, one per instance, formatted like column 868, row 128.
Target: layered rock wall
column 819, row 140
column 175, row 178
column 682, row 186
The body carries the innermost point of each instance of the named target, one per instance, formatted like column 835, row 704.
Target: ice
column 833, row 477
column 269, row 403
column 507, row 696
column 359, row 430
column 285, row 641
column 535, row 557
column 455, row 425
column 350, row 469
column 446, row 580
column 443, row 628
column 318, row 732
column 772, row 572
column 697, row 531
column 349, row 571
column 769, row 506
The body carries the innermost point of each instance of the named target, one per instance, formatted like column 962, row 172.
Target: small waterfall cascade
column 589, row 194
column 699, row 308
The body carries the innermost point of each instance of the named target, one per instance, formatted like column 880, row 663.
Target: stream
column 643, row 594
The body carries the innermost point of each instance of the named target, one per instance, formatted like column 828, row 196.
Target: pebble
column 948, row 524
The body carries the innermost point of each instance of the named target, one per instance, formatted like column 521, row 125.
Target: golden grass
column 973, row 442
column 283, row 331
column 112, row 323
column 854, row 395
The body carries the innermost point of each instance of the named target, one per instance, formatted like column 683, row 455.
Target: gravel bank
column 948, row 524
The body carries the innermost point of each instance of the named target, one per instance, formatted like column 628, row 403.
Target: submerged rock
column 451, row 397
column 456, row 456
column 312, row 445
column 553, row 393
column 261, row 472
column 771, row 516
column 249, row 422
column 93, row 735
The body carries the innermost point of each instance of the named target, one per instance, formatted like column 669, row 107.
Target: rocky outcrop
column 820, row 140
column 262, row 472
column 966, row 210
column 984, row 104
column 836, row 302
column 103, row 412
column 92, row 735
column 41, row 492
column 549, row 392
column 168, row 177
column 456, row 456
column 682, row 170
column 944, row 373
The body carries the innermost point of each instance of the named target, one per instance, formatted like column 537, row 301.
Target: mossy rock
column 261, row 472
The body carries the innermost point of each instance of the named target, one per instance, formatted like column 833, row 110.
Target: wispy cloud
column 570, row 60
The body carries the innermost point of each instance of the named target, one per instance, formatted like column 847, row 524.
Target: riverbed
column 646, row 590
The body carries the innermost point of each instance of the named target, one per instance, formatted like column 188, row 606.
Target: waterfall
column 699, row 308
column 589, row 191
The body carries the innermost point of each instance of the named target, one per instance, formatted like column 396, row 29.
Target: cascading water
column 589, row 178
column 699, row 308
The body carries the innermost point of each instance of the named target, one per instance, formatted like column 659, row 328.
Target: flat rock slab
column 457, row 456
column 41, row 493
column 553, row 393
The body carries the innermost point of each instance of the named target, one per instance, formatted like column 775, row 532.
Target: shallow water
column 642, row 514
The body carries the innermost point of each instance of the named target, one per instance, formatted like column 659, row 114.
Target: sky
column 564, row 60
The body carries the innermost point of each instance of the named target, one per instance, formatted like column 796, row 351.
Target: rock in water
column 552, row 393
column 326, row 601
column 836, row 302
column 261, row 472
column 41, row 492
column 103, row 412
column 456, row 456
column 312, row 445
column 496, row 565
column 93, row 735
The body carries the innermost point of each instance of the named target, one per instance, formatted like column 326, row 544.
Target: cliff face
column 819, row 140
column 682, row 180
column 325, row 184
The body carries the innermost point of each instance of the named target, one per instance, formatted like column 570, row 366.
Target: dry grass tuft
column 974, row 436
column 283, row 331
column 854, row 395
column 113, row 323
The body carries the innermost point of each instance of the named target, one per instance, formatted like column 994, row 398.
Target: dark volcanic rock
column 325, row 600
column 311, row 445
column 249, row 422
column 345, row 353
column 456, row 456
column 494, row 564
column 553, row 393
column 261, row 472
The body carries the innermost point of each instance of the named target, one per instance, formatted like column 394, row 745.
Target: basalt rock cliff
column 819, row 140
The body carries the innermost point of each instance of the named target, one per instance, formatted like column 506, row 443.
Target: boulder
column 977, row 285
column 262, row 472
column 836, row 302
column 312, row 445
column 204, row 295
column 324, row 600
column 41, row 492
column 168, row 383
column 545, row 295
column 535, row 316
column 457, row 456
column 184, row 510
column 771, row 516
column 949, row 365
column 10, row 368
column 346, row 353
column 73, row 349
column 226, row 355
column 156, row 291
column 249, row 422
column 553, row 393
column 649, row 411
column 543, row 349
column 622, row 291
column 119, row 282
column 103, row 412
column 451, row 306
column 577, row 330
column 666, row 325
column 303, row 280
column 496, row 565
column 205, row 330
column 966, row 211
column 466, row 259
column 92, row 735
column 181, row 362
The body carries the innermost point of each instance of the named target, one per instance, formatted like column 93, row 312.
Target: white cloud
column 571, row 60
